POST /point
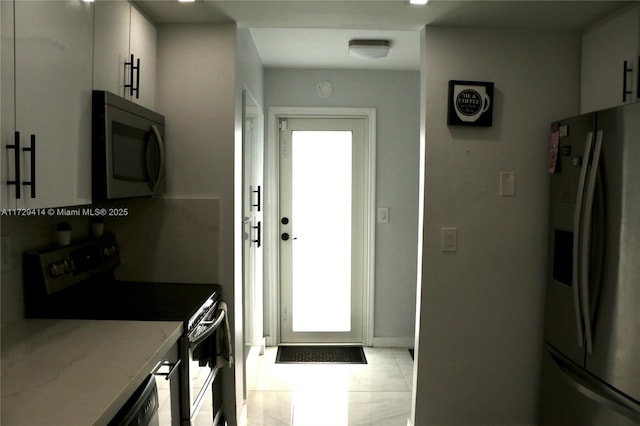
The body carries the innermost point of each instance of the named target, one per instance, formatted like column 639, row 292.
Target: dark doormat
column 320, row 354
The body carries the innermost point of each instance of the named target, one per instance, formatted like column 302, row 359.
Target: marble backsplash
column 161, row 240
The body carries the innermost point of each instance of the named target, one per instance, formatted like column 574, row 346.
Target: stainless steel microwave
column 128, row 151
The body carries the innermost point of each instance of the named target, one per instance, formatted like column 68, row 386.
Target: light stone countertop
column 77, row 372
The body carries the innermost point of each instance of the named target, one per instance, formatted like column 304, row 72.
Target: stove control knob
column 109, row 251
column 58, row 269
column 55, row 270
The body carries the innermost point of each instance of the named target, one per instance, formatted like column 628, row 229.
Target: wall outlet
column 508, row 184
column 449, row 239
column 5, row 254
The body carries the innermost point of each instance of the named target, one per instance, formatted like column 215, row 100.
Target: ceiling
column 315, row 34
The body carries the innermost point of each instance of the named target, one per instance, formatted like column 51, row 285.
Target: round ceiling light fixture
column 369, row 49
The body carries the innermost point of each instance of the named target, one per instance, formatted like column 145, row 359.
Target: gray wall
column 395, row 95
column 196, row 90
column 202, row 70
column 480, row 325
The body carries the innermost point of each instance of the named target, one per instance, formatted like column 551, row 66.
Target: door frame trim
column 272, row 204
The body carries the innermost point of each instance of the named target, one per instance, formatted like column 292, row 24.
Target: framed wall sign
column 470, row 103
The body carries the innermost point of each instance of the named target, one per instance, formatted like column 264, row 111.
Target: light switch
column 449, row 239
column 383, row 215
column 508, row 184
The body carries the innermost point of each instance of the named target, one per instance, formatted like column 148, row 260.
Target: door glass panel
column 321, row 228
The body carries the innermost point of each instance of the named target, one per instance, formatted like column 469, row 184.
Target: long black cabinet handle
column 16, row 148
column 137, row 89
column 258, row 192
column 625, row 70
column 173, row 368
column 32, row 183
column 259, row 229
column 133, row 88
column 638, row 85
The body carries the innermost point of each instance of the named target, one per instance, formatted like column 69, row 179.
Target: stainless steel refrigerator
column 591, row 362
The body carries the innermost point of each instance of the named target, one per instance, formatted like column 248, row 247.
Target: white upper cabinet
column 143, row 46
column 122, row 32
column 52, row 48
column 7, row 123
column 610, row 62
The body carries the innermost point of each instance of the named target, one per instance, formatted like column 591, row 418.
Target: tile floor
column 373, row 394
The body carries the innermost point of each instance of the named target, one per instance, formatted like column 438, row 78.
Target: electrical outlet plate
column 449, row 239
column 508, row 184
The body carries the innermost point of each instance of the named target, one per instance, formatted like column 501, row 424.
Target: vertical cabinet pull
column 32, row 183
column 258, row 192
column 625, row 91
column 638, row 85
column 173, row 368
column 258, row 228
column 133, row 69
column 16, row 148
column 137, row 89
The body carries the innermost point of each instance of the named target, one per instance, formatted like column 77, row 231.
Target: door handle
column 577, row 240
column 259, row 231
column 133, row 69
column 625, row 90
column 258, row 192
column 16, row 148
column 32, row 183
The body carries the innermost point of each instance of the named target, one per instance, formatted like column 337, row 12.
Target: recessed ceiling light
column 368, row 49
column 186, row 1
column 418, row 1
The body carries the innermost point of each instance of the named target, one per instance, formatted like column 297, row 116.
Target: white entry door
column 322, row 229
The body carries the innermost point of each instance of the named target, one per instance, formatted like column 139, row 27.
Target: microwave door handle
column 160, row 143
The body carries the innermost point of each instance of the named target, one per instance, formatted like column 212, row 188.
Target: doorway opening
column 322, row 162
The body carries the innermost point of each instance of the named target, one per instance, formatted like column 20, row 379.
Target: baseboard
column 394, row 342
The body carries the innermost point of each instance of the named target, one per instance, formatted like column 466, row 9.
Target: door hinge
column 283, row 125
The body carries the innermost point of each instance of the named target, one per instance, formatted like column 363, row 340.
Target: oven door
column 199, row 350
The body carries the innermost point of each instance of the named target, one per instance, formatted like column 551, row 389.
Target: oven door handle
column 212, row 326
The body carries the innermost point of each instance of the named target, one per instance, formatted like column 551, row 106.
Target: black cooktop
column 77, row 282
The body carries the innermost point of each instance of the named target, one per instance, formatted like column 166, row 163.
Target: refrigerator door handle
column 577, row 234
column 585, row 249
column 593, row 389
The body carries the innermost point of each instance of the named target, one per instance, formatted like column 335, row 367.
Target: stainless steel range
column 78, row 282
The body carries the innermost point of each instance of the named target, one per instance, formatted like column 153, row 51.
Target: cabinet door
column 53, row 73
column 111, row 45
column 7, row 119
column 143, row 45
column 604, row 50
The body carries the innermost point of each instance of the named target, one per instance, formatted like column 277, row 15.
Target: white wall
column 202, row 70
column 480, row 325
column 196, row 90
column 249, row 77
column 395, row 95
